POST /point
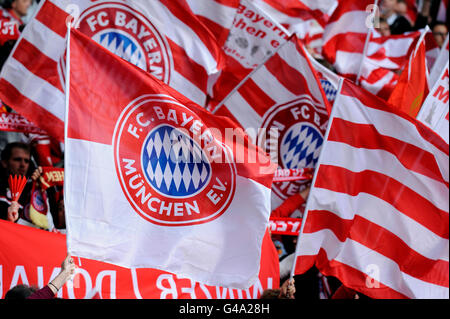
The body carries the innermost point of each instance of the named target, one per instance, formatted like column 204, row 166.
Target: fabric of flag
column 283, row 108
column 216, row 15
column 345, row 35
column 161, row 37
column 151, row 180
column 378, row 212
column 412, row 87
column 306, row 18
column 253, row 37
column 385, row 56
column 434, row 111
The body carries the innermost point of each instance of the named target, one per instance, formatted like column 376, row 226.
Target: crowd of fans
column 26, row 154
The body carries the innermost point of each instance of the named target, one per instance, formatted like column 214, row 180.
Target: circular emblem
column 171, row 168
column 128, row 34
column 293, row 135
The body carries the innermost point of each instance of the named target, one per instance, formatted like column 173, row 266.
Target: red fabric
column 288, row 207
column 344, row 293
column 44, row 293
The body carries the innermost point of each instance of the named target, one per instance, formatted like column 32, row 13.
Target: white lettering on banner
column 112, row 282
column 284, row 226
column 19, row 276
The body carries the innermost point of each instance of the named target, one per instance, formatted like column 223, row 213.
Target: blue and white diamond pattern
column 173, row 163
column 123, row 46
column 329, row 89
column 300, row 146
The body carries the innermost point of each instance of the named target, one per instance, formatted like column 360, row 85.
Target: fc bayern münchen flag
column 151, row 177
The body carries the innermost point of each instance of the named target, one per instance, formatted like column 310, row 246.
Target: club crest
column 128, row 34
column 293, row 136
column 171, row 168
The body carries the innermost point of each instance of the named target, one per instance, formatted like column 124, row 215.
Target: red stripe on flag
column 382, row 241
column 289, row 77
column 184, row 14
column 404, row 199
column 53, row 18
column 38, row 63
column 367, row 136
column 32, row 111
column 374, row 102
column 347, row 42
column 349, row 276
column 188, row 68
column 256, row 97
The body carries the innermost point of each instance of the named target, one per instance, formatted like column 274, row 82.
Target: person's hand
column 68, row 265
column 36, row 174
column 288, row 289
column 13, row 212
column 67, row 270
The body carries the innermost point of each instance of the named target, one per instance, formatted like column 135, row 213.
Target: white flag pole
column 366, row 46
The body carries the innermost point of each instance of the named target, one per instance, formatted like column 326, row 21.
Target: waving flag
column 378, row 212
column 434, row 111
column 412, row 87
column 254, row 36
column 216, row 15
column 385, row 57
column 305, row 18
column 345, row 35
column 160, row 37
column 283, row 107
column 151, row 178
column 439, row 64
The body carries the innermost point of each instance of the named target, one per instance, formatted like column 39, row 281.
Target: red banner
column 33, row 256
column 14, row 122
column 285, row 226
column 287, row 175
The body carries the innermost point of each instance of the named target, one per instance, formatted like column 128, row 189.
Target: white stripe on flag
column 46, row 40
column 385, row 215
column 36, row 89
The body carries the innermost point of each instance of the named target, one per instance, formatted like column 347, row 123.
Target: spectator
column 21, row 292
column 286, row 291
column 440, row 32
column 384, row 28
column 17, row 9
column 16, row 160
column 397, row 22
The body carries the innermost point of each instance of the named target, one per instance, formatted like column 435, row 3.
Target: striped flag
column 377, row 216
column 385, row 56
column 160, row 37
column 151, row 179
column 283, row 108
column 305, row 18
column 345, row 35
column 216, row 15
column 254, row 36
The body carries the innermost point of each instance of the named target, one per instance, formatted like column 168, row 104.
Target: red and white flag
column 377, row 216
column 305, row 18
column 160, row 37
column 216, row 15
column 151, row 181
column 282, row 106
column 384, row 58
column 345, row 36
column 434, row 111
column 254, row 36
